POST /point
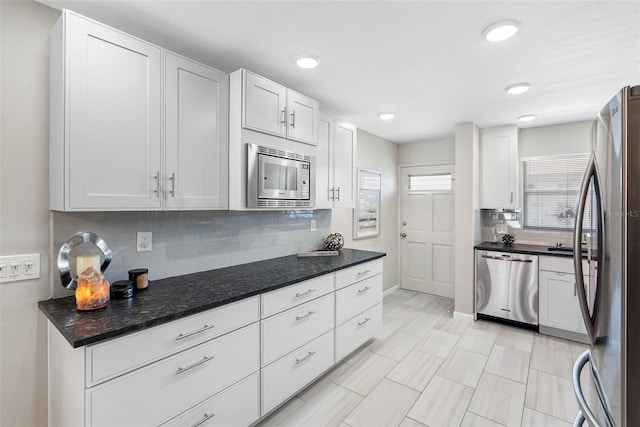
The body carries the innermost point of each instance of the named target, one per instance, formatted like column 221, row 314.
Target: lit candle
column 85, row 261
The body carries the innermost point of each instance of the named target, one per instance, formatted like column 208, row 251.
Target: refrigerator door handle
column 590, row 172
column 585, row 412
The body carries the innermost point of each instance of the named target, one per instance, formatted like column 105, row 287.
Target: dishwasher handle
column 506, row 259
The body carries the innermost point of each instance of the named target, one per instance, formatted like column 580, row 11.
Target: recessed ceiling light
column 386, row 116
column 517, row 88
column 527, row 118
column 307, row 61
column 501, row 30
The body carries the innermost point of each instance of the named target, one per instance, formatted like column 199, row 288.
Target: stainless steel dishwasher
column 507, row 286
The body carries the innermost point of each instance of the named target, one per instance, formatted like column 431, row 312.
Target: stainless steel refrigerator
column 606, row 377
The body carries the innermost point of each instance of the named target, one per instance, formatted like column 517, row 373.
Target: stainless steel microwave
column 279, row 179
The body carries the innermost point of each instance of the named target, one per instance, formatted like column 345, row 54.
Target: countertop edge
column 523, row 249
column 160, row 320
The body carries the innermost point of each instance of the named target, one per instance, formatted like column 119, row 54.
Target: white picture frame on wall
column 366, row 215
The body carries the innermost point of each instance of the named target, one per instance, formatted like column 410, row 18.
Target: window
column 430, row 183
column 550, row 191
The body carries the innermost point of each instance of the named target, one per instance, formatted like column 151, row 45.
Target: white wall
column 467, row 142
column 437, row 151
column 567, row 138
column 24, row 212
column 380, row 155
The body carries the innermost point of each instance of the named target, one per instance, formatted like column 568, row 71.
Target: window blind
column 550, row 191
column 430, row 183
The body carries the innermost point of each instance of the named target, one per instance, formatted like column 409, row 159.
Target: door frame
column 400, row 186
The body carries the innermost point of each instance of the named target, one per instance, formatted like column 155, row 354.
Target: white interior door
column 426, row 243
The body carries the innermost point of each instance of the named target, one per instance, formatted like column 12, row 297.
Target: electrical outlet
column 14, row 268
column 313, row 225
column 143, row 241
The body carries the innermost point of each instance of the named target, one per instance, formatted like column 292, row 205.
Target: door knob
column 403, row 235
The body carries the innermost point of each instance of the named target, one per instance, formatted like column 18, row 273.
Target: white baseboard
column 463, row 316
column 390, row 291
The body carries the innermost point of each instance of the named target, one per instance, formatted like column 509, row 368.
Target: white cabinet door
column 113, row 106
column 344, row 158
column 195, row 174
column 302, row 120
column 324, row 164
column 499, row 168
column 335, row 164
column 264, row 104
column 558, row 302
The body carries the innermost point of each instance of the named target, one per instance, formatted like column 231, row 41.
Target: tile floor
column 427, row 369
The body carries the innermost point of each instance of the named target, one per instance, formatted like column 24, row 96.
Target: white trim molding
column 463, row 316
column 390, row 291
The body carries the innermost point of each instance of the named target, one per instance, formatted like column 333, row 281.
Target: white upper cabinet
column 335, row 164
column 264, row 105
column 499, row 168
column 105, row 118
column 272, row 108
column 302, row 124
column 196, row 135
column 106, row 124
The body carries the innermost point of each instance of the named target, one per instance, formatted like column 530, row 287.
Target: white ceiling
column 424, row 60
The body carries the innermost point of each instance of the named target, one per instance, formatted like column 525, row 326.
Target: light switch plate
column 14, row 268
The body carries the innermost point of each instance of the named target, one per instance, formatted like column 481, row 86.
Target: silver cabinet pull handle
column 363, row 272
column 157, row 178
column 304, row 316
column 338, row 191
column 332, row 192
column 173, row 184
column 365, row 289
column 293, row 119
column 309, row 354
column 511, row 198
column 283, row 114
column 204, row 420
column 305, row 293
column 206, row 359
column 188, row 334
column 366, row 319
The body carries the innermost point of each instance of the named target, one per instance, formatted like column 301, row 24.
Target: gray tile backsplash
column 188, row 242
column 522, row 235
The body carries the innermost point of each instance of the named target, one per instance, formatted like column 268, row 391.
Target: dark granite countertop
column 524, row 249
column 176, row 297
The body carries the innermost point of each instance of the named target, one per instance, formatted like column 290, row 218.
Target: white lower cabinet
column 289, row 330
column 156, row 393
column 355, row 332
column 239, row 405
column 292, row 372
column 228, row 366
column 559, row 309
column 358, row 297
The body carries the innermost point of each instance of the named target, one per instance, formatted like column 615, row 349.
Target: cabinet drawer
column 357, row 298
column 236, row 406
column 292, row 372
column 162, row 390
column 359, row 272
column 116, row 357
column 289, row 330
column 282, row 299
column 352, row 334
column 561, row 264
